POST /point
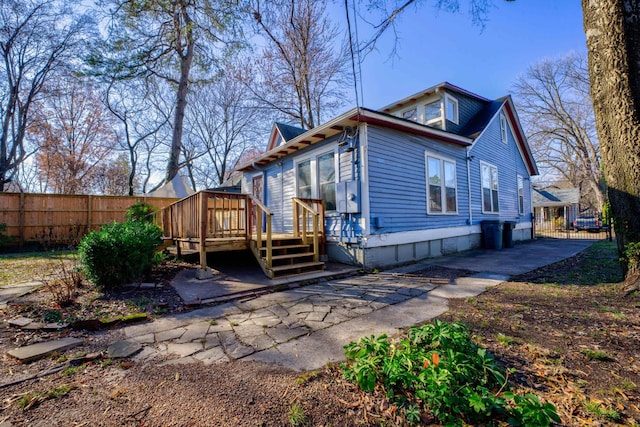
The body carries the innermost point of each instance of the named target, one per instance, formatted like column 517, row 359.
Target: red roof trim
column 521, row 138
column 409, row 129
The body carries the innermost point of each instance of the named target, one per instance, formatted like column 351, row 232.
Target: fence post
column 21, row 220
column 89, row 213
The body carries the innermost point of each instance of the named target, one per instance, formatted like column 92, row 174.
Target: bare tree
column 113, row 177
column 75, row 134
column 223, row 122
column 37, row 38
column 166, row 39
column 302, row 74
column 142, row 116
column 554, row 103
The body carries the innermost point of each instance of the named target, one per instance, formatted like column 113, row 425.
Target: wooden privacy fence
column 63, row 219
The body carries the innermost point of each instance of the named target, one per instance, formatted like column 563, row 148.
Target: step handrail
column 261, row 210
column 301, row 208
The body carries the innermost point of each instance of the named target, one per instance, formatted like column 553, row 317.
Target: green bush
column 4, row 239
column 140, row 212
column 438, row 370
column 119, row 253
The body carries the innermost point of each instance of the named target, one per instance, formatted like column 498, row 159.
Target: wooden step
column 291, row 256
column 286, row 248
column 307, row 266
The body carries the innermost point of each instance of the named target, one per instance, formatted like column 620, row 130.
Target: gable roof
column 444, row 86
column 351, row 118
column 284, row 131
column 297, row 138
column 555, row 197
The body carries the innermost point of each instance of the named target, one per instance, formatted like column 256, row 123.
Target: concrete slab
column 10, row 292
column 20, row 322
column 33, row 352
column 522, row 258
column 123, row 349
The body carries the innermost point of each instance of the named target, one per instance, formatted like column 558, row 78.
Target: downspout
column 468, row 150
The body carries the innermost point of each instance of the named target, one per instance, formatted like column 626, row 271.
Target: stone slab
column 124, row 348
column 20, row 322
column 33, row 352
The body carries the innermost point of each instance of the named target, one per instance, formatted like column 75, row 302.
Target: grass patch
column 505, row 340
column 597, row 355
column 602, row 411
column 24, row 267
column 30, row 399
column 297, row 416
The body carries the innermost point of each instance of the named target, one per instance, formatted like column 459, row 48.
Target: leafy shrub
column 4, row 239
column 140, row 212
column 632, row 254
column 119, row 253
column 437, row 369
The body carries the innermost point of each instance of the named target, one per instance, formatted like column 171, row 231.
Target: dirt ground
column 572, row 338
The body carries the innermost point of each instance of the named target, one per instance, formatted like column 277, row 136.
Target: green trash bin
column 507, row 240
column 492, row 234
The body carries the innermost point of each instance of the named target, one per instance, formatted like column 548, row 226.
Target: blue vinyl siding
column 489, row 148
column 280, row 187
column 397, row 181
column 467, row 108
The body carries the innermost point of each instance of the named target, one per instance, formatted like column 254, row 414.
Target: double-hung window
column 520, row 195
column 442, row 190
column 489, row 176
column 316, row 178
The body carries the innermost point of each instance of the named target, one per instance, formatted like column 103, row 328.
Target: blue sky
column 440, row 46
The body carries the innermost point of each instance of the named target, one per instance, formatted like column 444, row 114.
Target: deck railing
column 205, row 215
column 259, row 211
column 308, row 212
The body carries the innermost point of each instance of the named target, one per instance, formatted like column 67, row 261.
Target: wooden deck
column 215, row 221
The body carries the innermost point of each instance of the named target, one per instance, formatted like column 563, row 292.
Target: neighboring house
column 556, row 206
column 412, row 180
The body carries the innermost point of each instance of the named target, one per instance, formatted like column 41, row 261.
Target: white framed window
column 503, row 128
column 433, row 114
column 451, row 108
column 316, row 178
column 327, row 180
column 520, row 195
column 411, row 114
column 442, row 188
column 303, row 179
column 489, row 178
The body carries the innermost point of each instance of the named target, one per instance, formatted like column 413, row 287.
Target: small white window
column 442, row 193
column 451, row 108
column 411, row 114
column 520, row 195
column 503, row 128
column 489, row 177
column 303, row 174
column 433, row 114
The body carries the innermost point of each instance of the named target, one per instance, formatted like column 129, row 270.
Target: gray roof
column 549, row 197
column 289, row 132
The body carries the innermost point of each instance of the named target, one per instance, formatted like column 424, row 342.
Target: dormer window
column 411, row 114
column 451, row 108
column 433, row 114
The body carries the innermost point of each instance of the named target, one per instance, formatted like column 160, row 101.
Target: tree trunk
column 612, row 28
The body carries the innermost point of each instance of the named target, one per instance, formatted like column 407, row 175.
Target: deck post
column 259, row 226
column 316, row 252
column 269, row 242
column 203, row 230
column 296, row 220
column 304, row 226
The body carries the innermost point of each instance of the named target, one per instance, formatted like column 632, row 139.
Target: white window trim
column 413, row 107
column 454, row 101
column 440, row 119
column 491, row 212
column 520, row 180
column 443, row 196
column 504, row 129
column 312, row 157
